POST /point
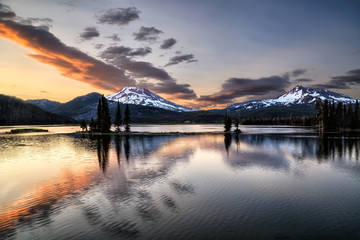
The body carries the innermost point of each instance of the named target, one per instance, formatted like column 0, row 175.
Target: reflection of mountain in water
column 276, row 151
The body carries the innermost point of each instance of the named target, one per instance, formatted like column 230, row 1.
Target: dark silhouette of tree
column 118, row 119
column 83, row 125
column 227, row 122
column 106, row 122
column 127, row 119
column 318, row 107
column 356, row 115
column 103, row 122
column 99, row 116
column 92, row 125
column 339, row 120
column 349, row 116
column 325, row 115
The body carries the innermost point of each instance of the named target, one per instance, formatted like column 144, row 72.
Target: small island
column 26, row 130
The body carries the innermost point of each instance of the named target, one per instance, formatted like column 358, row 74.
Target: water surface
column 250, row 186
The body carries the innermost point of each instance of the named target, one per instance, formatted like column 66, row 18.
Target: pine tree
column 118, row 118
column 227, row 122
column 236, row 125
column 99, row 116
column 83, row 125
column 127, row 119
column 319, row 115
column 356, row 115
column 106, row 118
column 92, row 125
column 339, row 116
column 349, row 116
column 325, row 115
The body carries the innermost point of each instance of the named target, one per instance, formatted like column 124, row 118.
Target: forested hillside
column 14, row 111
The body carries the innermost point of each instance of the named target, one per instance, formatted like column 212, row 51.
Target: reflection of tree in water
column 227, row 141
column 118, row 147
column 237, row 141
column 103, row 144
column 127, row 147
column 339, row 147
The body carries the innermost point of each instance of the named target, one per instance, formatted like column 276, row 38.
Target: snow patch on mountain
column 297, row 95
column 144, row 97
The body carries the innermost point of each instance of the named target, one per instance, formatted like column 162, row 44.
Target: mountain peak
column 297, row 95
column 143, row 96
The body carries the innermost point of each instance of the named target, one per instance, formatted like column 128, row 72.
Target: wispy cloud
column 187, row 58
column 351, row 78
column 115, row 37
column 300, row 80
column 298, row 72
column 246, row 87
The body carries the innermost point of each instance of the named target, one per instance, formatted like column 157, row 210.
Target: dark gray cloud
column 121, row 57
column 167, row 84
column 115, row 37
column 242, row 87
column 188, row 58
column 168, row 43
column 119, row 16
column 142, row 69
column 147, row 34
column 6, row 12
column 351, row 78
column 115, row 52
column 69, row 61
column 89, row 33
column 299, row 80
column 298, row 72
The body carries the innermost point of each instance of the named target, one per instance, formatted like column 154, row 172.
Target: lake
column 267, row 183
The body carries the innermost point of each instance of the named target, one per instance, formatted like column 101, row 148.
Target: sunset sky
column 199, row 53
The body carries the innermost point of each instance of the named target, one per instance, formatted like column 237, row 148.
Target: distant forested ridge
column 14, row 111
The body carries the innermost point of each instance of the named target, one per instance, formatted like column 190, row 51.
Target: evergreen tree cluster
column 337, row 117
column 227, row 122
column 291, row 121
column 103, row 121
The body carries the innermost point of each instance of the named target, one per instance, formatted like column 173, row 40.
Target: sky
column 199, row 53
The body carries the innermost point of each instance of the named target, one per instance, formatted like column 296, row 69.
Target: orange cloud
column 70, row 62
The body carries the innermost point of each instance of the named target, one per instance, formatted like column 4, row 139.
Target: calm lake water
column 277, row 184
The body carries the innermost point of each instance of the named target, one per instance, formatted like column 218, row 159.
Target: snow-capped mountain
column 296, row 96
column 142, row 96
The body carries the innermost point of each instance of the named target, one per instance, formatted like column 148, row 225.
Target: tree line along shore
column 330, row 117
